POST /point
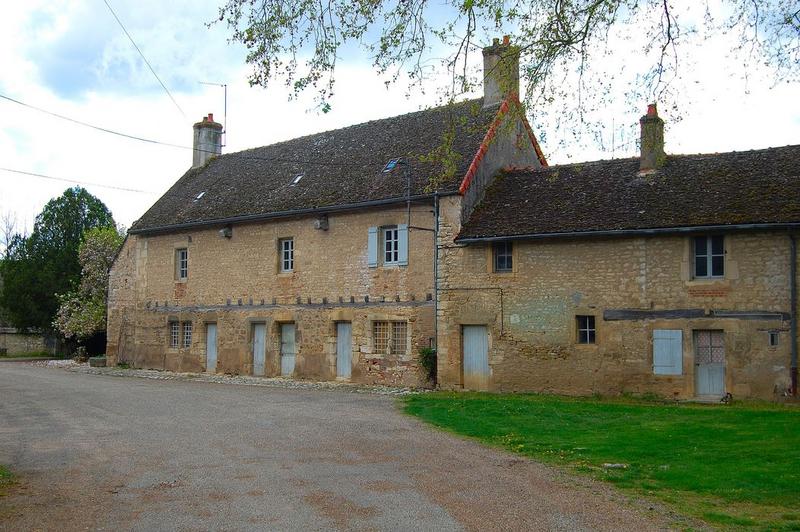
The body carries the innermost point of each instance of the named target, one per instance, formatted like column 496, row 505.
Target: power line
column 179, row 146
column 85, row 124
column 76, row 181
column 121, row 25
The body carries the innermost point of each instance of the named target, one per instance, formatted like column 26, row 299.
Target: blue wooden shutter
column 372, row 247
column 402, row 245
column 667, row 352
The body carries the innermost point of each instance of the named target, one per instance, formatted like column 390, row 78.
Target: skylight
column 203, row 193
column 297, row 179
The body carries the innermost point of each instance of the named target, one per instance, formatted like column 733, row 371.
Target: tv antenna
column 225, row 108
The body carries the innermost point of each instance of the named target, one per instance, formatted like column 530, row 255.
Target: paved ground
column 102, row 452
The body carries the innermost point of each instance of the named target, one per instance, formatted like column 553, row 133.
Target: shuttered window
column 668, row 352
column 387, row 245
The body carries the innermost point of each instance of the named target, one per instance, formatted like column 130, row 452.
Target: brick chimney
column 652, row 140
column 500, row 71
column 207, row 140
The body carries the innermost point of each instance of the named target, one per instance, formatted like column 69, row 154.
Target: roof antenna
column 225, row 107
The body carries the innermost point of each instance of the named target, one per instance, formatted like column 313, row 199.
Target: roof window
column 297, row 179
column 203, row 193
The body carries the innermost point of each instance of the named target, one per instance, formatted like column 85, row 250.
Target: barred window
column 390, row 337
column 187, row 334
column 174, row 332
column 399, row 341
column 380, row 335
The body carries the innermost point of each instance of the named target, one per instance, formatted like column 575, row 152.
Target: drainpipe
column 793, row 285
column 436, row 273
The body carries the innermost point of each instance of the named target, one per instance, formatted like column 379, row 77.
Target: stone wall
column 530, row 312
column 236, row 282
column 13, row 342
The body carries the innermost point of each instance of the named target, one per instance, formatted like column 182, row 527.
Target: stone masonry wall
column 530, row 312
column 237, row 282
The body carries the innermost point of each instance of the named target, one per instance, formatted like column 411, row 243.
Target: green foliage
column 7, row 479
column 569, row 51
column 427, row 359
column 82, row 311
column 731, row 465
column 45, row 264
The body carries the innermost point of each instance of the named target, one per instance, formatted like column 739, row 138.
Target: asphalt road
column 98, row 452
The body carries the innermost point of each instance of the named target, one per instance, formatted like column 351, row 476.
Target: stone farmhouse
column 339, row 255
column 674, row 275
column 314, row 257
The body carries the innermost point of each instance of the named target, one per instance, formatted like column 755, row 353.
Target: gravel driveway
column 100, row 452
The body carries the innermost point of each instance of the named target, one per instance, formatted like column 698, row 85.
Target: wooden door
column 259, row 348
column 709, row 360
column 475, row 345
column 287, row 349
column 211, row 347
column 344, row 350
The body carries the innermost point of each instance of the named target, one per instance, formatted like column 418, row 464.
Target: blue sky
column 71, row 57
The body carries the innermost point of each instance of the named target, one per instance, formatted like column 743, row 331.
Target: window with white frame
column 709, row 256
column 187, row 334
column 174, row 334
column 390, row 337
column 586, row 329
column 287, row 254
column 502, row 253
column 181, row 264
column 391, row 245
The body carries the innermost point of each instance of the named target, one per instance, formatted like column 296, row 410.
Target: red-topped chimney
column 652, row 140
column 207, row 140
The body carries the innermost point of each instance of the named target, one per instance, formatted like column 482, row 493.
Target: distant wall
column 13, row 342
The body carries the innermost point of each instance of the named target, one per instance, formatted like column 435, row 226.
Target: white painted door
column 475, row 341
column 211, row 347
column 709, row 359
column 259, row 348
column 344, row 350
column 287, row 349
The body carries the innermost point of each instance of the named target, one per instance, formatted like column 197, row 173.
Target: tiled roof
column 751, row 187
column 340, row 167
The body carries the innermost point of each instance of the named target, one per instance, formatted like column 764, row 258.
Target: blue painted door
column 287, row 349
column 344, row 350
column 259, row 348
column 211, row 347
column 709, row 363
column 475, row 345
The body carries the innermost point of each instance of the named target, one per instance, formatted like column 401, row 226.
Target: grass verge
column 7, row 479
column 734, row 467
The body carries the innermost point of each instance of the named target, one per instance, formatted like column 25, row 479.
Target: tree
column 573, row 52
column 45, row 263
column 82, row 311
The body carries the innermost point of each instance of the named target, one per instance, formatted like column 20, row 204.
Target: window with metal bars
column 174, row 333
column 187, row 334
column 390, row 337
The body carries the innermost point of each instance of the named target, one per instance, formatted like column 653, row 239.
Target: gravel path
column 100, row 452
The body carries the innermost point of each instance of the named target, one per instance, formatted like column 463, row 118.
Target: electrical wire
column 121, row 25
column 34, row 174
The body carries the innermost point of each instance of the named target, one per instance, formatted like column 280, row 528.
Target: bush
column 427, row 359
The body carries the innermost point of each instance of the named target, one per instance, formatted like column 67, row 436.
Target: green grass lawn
column 733, row 466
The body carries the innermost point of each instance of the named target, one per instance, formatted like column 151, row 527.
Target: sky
column 71, row 57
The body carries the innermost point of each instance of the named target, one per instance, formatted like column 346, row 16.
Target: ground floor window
column 187, row 334
column 390, row 337
column 174, row 333
column 586, row 329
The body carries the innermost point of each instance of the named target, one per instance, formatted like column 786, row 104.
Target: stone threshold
column 247, row 380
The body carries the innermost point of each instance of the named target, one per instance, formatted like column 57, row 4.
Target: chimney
column 500, row 71
column 207, row 140
column 652, row 141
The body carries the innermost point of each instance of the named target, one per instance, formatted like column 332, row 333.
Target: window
column 391, row 245
column 709, row 347
column 502, row 256
column 181, row 264
column 586, row 330
column 187, row 334
column 287, row 254
column 773, row 338
column 399, row 340
column 709, row 257
column 174, row 332
column 390, row 337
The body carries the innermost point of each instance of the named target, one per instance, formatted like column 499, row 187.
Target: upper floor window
column 709, row 256
column 181, row 264
column 586, row 329
column 391, row 245
column 502, row 253
column 287, row 254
